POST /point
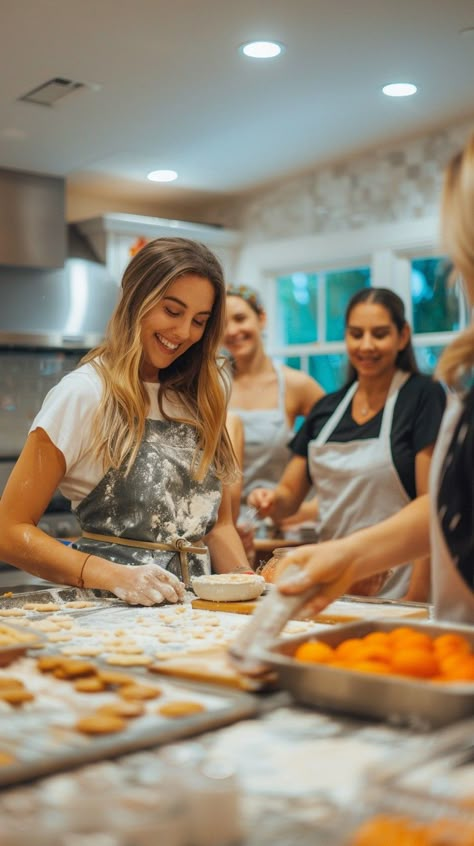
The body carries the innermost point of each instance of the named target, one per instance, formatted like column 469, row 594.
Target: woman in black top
column 367, row 448
column 442, row 522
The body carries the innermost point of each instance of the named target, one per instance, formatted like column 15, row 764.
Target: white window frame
column 390, row 267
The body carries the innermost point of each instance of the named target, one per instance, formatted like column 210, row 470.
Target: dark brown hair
column 394, row 305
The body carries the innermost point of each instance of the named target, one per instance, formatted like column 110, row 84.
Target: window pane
column 427, row 358
column 293, row 361
column 340, row 286
column 435, row 303
column 329, row 370
column 297, row 303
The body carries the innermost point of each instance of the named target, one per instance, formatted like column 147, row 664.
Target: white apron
column 453, row 600
column 266, row 437
column 356, row 482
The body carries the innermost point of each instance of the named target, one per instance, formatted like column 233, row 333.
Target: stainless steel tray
column 41, row 738
column 16, row 642
column 439, row 770
column 58, row 595
column 397, row 700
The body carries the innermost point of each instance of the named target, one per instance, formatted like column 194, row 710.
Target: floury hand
column 148, row 584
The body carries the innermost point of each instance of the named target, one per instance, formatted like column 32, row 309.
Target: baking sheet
column 39, row 737
column 107, row 627
column 14, row 642
column 439, row 770
column 402, row 701
column 57, row 595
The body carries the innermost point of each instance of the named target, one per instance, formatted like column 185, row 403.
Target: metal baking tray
column 439, row 769
column 40, row 735
column 20, row 644
column 41, row 738
column 11, row 653
column 60, row 596
column 419, row 704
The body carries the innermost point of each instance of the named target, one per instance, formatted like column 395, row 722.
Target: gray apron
column 453, row 599
column 158, row 502
column 266, row 437
column 356, row 482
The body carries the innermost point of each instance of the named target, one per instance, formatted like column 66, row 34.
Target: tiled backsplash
column 25, row 379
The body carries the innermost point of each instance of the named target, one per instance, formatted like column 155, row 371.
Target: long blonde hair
column 195, row 378
column 457, row 218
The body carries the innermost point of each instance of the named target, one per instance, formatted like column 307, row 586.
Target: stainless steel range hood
column 32, row 228
column 54, row 292
column 67, row 308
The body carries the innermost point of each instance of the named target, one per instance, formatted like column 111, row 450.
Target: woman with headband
column 268, row 397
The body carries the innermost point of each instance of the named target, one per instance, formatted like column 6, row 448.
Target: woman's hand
column 148, row 584
column 263, row 499
column 326, row 568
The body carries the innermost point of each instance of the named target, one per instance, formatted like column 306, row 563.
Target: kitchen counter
column 277, row 774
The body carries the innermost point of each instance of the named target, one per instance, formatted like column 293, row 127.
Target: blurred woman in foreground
column 439, row 523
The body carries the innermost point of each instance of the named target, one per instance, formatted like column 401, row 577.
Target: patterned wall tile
column 388, row 184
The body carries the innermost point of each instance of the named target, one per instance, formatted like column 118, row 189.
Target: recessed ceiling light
column 262, row 49
column 162, row 176
column 399, row 89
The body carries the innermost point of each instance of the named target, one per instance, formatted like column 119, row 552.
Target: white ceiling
column 167, row 87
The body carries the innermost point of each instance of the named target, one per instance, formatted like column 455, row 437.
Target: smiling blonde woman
column 135, row 437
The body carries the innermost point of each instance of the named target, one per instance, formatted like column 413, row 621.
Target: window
column 439, row 308
column 427, row 357
column 308, row 309
column 328, row 370
column 308, row 331
column 297, row 308
column 311, row 306
column 341, row 285
column 436, row 304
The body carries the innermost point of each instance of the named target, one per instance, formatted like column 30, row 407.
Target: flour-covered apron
column 453, row 599
column 356, row 482
column 157, row 513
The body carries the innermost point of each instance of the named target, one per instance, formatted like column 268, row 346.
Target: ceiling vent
column 51, row 91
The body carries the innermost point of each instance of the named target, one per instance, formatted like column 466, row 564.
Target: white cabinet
column 113, row 235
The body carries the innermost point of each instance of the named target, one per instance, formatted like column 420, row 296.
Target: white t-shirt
column 67, row 415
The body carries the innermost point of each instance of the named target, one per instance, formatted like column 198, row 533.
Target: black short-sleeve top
column 456, row 493
column 416, row 420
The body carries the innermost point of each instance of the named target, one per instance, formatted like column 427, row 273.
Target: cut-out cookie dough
column 121, row 660
column 180, row 708
column 100, row 724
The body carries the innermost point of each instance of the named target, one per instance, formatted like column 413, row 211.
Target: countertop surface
column 277, row 774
